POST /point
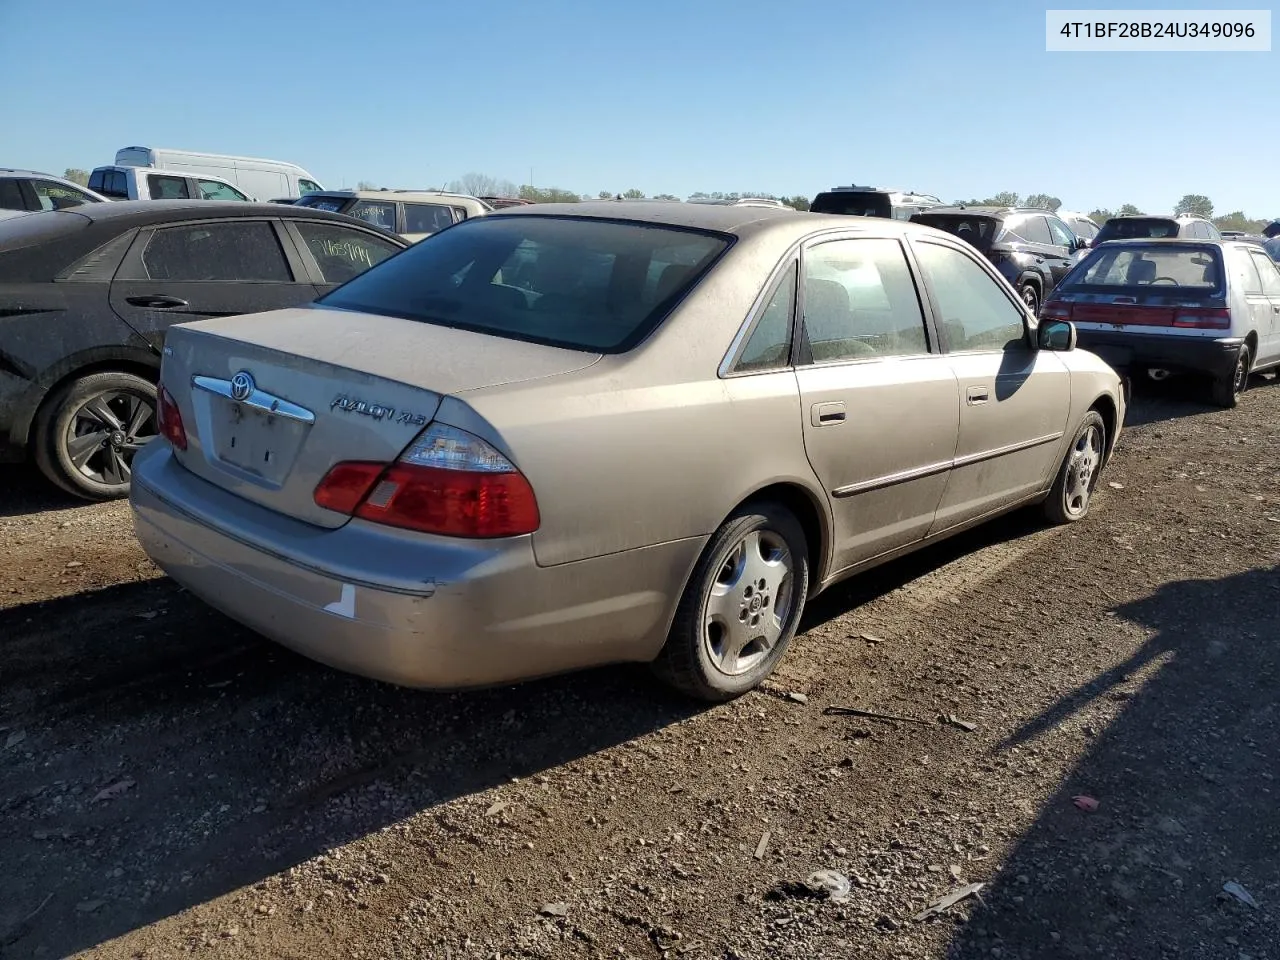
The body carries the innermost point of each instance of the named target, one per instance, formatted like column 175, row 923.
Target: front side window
column 343, row 253
column 562, row 281
column 380, row 213
column 217, row 190
column 426, row 217
column 306, row 186
column 859, row 300
column 57, row 196
column 1059, row 233
column 168, row 188
column 235, row 252
column 975, row 311
column 769, row 346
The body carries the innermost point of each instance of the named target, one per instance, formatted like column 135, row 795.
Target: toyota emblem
column 241, row 385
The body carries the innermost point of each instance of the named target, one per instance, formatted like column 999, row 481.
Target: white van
column 260, row 179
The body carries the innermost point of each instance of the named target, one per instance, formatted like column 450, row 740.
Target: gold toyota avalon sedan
column 567, row 435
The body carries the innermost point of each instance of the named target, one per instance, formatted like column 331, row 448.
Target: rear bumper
column 1215, row 357
column 405, row 608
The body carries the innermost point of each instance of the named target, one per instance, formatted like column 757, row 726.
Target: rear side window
column 239, row 252
column 859, row 301
column 1246, row 272
column 217, row 190
column 11, row 195
column 769, row 346
column 378, row 212
column 1195, row 269
column 341, row 252
column 426, row 217
column 1031, row 229
column 168, row 188
column 976, row 313
column 562, row 281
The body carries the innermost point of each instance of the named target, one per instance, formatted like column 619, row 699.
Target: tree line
column 483, row 185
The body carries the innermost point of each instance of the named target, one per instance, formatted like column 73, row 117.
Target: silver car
column 567, row 435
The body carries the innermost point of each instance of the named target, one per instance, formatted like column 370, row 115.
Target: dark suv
column 1145, row 226
column 1032, row 248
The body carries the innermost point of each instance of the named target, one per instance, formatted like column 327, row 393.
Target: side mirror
column 1056, row 335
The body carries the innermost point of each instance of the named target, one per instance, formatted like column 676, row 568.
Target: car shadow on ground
column 154, row 755
column 1157, row 401
column 1187, row 781
column 24, row 491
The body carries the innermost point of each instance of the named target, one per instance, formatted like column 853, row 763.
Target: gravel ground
column 170, row 784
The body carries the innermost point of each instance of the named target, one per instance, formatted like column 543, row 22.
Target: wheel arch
column 1105, row 407
column 139, row 361
column 812, row 514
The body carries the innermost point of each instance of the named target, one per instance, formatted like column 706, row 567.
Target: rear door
column 878, row 399
column 213, row 268
column 1268, row 337
column 1014, row 399
column 334, row 252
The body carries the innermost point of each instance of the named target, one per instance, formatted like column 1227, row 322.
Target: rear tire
column 88, row 431
column 1226, row 390
column 741, row 606
column 1078, row 475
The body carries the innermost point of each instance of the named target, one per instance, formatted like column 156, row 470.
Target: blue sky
column 958, row 99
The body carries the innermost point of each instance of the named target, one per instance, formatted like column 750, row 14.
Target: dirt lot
column 170, row 784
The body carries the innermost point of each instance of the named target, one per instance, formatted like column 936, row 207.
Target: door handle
column 978, row 395
column 156, row 302
column 828, row 413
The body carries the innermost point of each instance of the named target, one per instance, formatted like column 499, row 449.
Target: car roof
column 409, row 195
column 133, row 213
column 1168, row 242
column 1154, row 216
column 982, row 211
column 736, row 220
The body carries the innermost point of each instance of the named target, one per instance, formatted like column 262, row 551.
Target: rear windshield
column 979, row 231
column 583, row 284
column 1273, row 247
column 853, row 203
column 109, row 183
column 1156, row 270
column 1138, row 228
column 332, row 204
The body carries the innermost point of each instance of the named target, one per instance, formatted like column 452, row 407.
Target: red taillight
column 169, row 419
column 449, row 483
column 1055, row 310
column 1202, row 318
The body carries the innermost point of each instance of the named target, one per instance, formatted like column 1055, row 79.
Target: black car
column 87, row 294
column 1146, row 226
column 1032, row 248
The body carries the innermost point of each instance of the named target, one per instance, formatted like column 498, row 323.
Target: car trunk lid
column 270, row 402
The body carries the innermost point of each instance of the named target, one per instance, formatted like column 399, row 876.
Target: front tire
column 1227, row 390
column 741, row 606
column 1078, row 476
column 1031, row 297
column 88, row 431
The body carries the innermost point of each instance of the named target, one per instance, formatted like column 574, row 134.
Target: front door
column 1014, row 399
column 878, row 400
column 214, row 268
column 1269, row 332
